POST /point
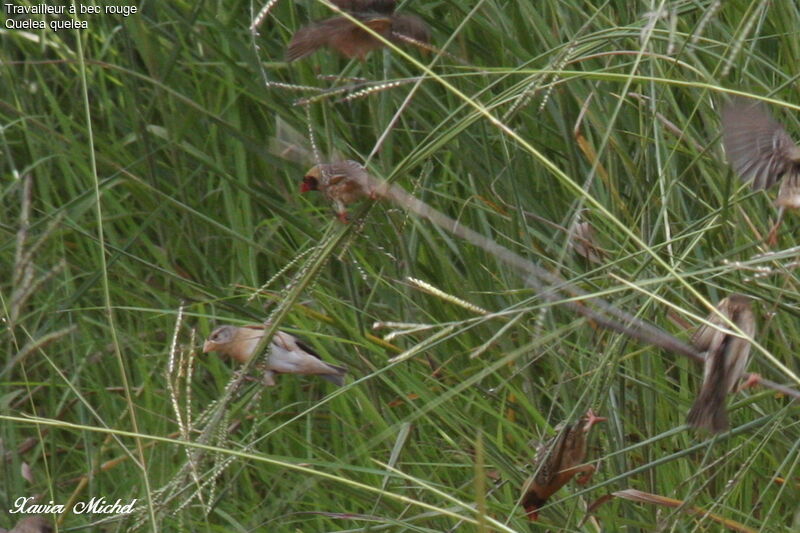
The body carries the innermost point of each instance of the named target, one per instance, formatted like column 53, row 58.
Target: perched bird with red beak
column 342, row 183
column 351, row 40
column 726, row 361
column 31, row 524
column 557, row 461
column 286, row 355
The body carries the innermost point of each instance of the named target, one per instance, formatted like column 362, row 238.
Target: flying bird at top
column 350, row 39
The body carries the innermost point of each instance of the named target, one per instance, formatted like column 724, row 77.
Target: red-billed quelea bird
column 349, row 39
column 287, row 354
column 557, row 461
column 725, row 364
column 342, row 184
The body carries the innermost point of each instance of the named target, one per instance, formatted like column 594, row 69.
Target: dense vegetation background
column 142, row 206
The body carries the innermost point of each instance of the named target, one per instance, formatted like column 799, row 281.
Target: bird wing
column 738, row 349
column 377, row 24
column 550, row 456
column 757, row 146
column 343, row 171
column 349, row 170
column 306, row 348
column 309, row 39
column 290, row 343
column 290, row 144
column 411, row 26
column 708, row 334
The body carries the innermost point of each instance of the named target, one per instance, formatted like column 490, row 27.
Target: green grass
column 156, row 211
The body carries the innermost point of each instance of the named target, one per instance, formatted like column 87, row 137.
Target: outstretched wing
column 309, row 39
column 757, row 146
column 412, row 27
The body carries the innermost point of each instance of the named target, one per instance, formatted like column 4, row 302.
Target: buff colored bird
column 557, row 461
column 287, row 353
column 349, row 39
column 31, row 524
column 726, row 361
column 342, row 183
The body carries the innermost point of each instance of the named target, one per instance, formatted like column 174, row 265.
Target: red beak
column 532, row 513
column 310, row 183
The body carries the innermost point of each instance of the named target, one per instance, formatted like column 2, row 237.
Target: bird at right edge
column 760, row 150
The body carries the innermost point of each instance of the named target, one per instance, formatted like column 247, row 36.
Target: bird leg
column 586, row 475
column 341, row 211
column 752, row 380
column 592, row 419
column 268, row 378
column 772, row 237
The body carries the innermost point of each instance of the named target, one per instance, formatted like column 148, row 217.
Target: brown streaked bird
column 31, row 524
column 349, row 39
column 342, row 183
column 287, row 353
column 726, row 360
column 557, row 461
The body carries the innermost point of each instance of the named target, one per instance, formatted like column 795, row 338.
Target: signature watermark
column 25, row 505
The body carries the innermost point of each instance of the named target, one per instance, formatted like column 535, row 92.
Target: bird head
column 311, row 180
column 532, row 502
column 218, row 338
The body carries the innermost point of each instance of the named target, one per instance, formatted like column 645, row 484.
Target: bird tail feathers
column 338, row 377
column 708, row 411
